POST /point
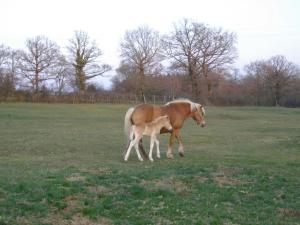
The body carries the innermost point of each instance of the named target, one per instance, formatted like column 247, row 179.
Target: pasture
column 62, row 164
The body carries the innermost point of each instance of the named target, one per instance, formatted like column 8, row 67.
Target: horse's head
column 198, row 114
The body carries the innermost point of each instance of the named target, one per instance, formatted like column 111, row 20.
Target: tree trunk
column 80, row 79
column 142, row 83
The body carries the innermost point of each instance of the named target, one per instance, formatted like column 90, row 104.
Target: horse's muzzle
column 201, row 123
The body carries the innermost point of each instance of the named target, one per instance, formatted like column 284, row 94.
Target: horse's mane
column 185, row 100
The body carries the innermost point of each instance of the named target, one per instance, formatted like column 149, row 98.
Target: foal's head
column 165, row 122
column 198, row 113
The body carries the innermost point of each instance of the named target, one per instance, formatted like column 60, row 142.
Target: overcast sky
column 264, row 28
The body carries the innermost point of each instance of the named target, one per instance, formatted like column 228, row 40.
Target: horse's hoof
column 170, row 156
column 181, row 154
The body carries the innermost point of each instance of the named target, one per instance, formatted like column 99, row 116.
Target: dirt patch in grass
column 75, row 177
column 162, row 221
column 171, row 183
column 200, row 179
column 289, row 212
column 98, row 189
column 59, row 217
column 78, row 219
column 71, row 204
column 97, row 171
column 223, row 176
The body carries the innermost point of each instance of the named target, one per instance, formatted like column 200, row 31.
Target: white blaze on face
column 203, row 111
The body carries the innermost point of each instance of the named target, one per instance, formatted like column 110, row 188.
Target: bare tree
column 62, row 73
column 126, row 79
column 5, row 84
column 84, row 56
column 8, row 67
column 198, row 50
column 278, row 74
column 271, row 78
column 141, row 51
column 255, row 81
column 183, row 47
column 37, row 62
column 218, row 50
column 4, row 56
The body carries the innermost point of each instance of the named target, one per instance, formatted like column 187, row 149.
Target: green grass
column 62, row 164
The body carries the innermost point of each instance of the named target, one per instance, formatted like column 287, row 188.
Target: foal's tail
column 127, row 123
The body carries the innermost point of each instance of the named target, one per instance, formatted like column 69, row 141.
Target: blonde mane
column 194, row 106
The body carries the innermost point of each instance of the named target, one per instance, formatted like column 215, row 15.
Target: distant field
column 61, row 164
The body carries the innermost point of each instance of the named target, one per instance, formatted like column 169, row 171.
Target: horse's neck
column 183, row 108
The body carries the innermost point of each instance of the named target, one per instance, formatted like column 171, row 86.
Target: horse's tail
column 127, row 123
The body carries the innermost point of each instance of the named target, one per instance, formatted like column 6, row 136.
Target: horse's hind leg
column 131, row 138
column 142, row 150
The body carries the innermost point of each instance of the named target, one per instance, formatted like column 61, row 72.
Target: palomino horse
column 150, row 129
column 178, row 111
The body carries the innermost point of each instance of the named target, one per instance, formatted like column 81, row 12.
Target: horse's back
column 142, row 114
column 146, row 113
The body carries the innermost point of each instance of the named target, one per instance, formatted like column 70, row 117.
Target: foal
column 149, row 129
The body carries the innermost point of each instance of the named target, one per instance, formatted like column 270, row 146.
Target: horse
column 177, row 110
column 150, row 129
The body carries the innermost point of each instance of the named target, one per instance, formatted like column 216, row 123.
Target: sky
column 264, row 28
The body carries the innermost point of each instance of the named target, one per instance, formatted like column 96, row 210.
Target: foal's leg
column 136, row 146
column 157, row 148
column 133, row 143
column 151, row 147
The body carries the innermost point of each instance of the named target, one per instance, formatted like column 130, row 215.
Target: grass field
column 62, row 164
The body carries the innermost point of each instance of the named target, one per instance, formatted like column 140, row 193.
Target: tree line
column 194, row 60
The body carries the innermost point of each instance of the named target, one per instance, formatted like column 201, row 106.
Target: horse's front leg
column 171, row 140
column 180, row 148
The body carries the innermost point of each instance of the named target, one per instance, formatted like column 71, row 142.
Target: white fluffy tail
column 127, row 123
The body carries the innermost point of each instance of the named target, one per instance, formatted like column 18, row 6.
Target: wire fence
column 93, row 98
